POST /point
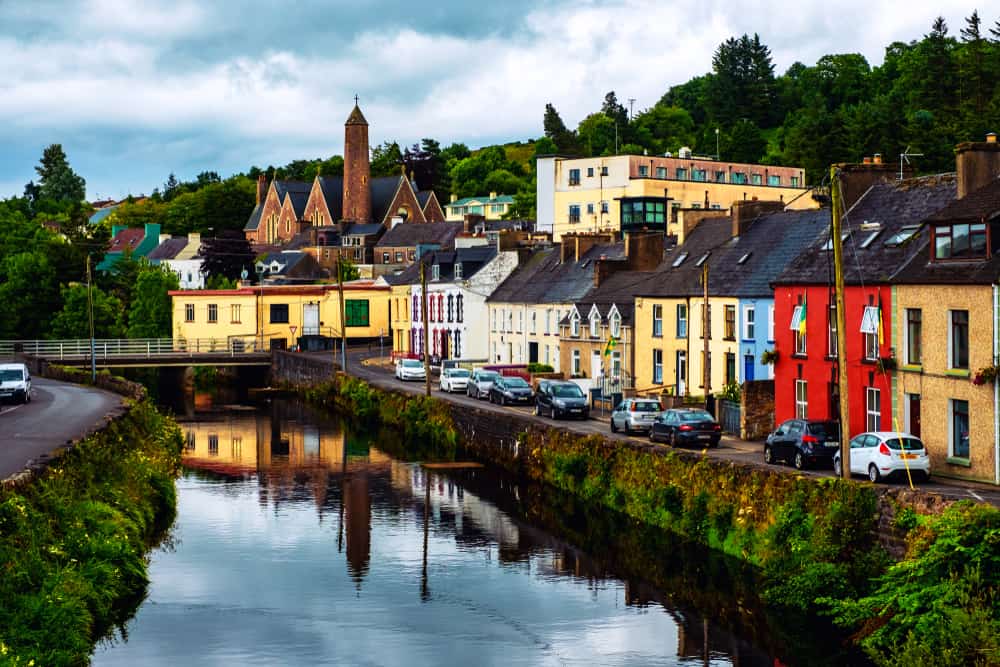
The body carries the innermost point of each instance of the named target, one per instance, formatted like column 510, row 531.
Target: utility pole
column 343, row 315
column 90, row 316
column 706, row 332
column 838, row 270
column 427, row 328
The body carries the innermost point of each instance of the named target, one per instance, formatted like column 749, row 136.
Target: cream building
column 632, row 192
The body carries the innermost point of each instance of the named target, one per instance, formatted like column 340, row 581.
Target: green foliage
column 221, row 282
column 731, row 392
column 535, row 367
column 73, row 321
column 73, row 542
column 386, row 159
column 151, row 310
column 940, row 603
column 487, row 170
column 347, row 270
column 28, row 289
column 56, row 179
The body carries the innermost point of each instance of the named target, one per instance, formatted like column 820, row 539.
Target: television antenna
column 631, row 103
column 906, row 155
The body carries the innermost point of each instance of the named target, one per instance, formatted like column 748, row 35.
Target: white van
column 15, row 383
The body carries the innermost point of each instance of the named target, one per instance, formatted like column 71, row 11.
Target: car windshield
column 458, row 373
column 695, row 416
column 645, row 406
column 12, row 375
column 567, row 391
column 909, row 444
column 411, row 363
column 516, row 382
column 489, row 376
column 825, row 430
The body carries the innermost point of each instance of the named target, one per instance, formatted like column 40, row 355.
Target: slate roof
column 618, row 290
column 544, row 279
column 712, row 236
column 299, row 201
column 333, row 193
column 356, row 117
column 982, row 205
column 472, row 260
column 383, row 190
column 253, row 222
column 169, row 249
column 409, row 234
column 287, row 259
column 358, row 229
column 424, row 196
column 893, row 205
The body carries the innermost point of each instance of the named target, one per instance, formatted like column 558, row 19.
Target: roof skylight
column 744, row 258
column 903, row 235
column 680, row 259
column 701, row 260
column 871, row 237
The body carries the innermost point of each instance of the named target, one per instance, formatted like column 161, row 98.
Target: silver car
column 454, row 379
column 481, row 383
column 635, row 414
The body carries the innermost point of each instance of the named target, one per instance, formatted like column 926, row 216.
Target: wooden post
column 838, row 270
column 343, row 315
column 706, row 332
column 423, row 311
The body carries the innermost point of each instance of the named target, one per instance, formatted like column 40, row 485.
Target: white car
column 455, row 379
column 410, row 369
column 15, row 383
column 881, row 454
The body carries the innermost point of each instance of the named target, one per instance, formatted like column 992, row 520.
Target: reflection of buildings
column 358, row 511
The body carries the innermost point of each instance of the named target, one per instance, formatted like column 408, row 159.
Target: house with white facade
column 180, row 255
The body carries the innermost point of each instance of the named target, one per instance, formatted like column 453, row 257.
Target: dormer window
column 595, row 325
column 615, row 323
column 960, row 241
column 574, row 325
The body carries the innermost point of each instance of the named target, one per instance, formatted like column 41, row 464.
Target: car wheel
column 537, row 412
column 503, row 400
column 652, row 436
column 614, row 428
column 768, row 455
column 553, row 414
column 673, row 438
column 836, row 468
column 873, row 475
column 799, row 462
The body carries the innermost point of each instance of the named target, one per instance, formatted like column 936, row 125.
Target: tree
column 29, row 294
column 664, row 128
column 556, row 130
column 226, row 255
column 171, row 187
column 598, row 135
column 151, row 311
column 347, row 270
column 73, row 321
column 386, row 159
column 56, row 179
column 742, row 85
column 744, row 143
column 974, row 75
column 614, row 110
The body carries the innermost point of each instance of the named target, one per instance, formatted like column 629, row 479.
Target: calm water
column 300, row 542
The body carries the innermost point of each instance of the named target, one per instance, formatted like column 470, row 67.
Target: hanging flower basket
column 987, row 375
column 886, row 364
column 769, row 357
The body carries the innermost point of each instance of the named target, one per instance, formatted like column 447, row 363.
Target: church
column 286, row 208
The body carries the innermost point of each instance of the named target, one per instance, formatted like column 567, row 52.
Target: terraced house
column 493, row 207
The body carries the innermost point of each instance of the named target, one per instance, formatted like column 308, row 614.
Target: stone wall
column 757, row 409
column 302, row 370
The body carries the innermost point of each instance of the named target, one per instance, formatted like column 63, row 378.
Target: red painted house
column 881, row 232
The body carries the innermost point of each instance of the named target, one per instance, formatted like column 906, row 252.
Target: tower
column 357, row 170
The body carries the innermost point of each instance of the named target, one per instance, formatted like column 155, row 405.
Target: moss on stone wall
column 73, row 541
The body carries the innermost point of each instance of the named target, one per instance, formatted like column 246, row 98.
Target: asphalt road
column 58, row 413
column 733, row 449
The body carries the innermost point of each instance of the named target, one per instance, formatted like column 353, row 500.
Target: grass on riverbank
column 73, row 542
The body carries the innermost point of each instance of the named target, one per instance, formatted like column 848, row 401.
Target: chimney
column 261, row 188
column 194, row 237
column 644, row 250
column 977, row 164
column 855, row 179
column 493, row 195
column 454, row 198
column 584, row 242
column 163, row 237
column 745, row 212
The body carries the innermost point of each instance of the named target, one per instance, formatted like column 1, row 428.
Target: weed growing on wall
column 73, row 541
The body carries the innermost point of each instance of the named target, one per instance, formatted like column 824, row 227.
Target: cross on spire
column 355, row 99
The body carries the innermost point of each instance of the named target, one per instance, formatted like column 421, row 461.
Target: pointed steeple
column 356, row 117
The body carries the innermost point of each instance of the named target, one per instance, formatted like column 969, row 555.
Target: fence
column 109, row 348
column 730, row 416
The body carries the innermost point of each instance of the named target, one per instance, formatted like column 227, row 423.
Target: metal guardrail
column 105, row 348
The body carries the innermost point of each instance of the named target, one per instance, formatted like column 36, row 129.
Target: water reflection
column 300, row 541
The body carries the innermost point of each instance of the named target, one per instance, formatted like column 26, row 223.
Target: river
column 300, row 540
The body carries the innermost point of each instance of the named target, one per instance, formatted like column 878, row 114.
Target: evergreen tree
column 556, row 130
column 56, row 179
column 386, row 159
column 151, row 310
column 973, row 76
column 226, row 255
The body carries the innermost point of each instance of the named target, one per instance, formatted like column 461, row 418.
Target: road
column 732, row 449
column 58, row 413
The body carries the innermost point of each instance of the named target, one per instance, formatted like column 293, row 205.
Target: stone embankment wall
column 302, row 369
column 757, row 407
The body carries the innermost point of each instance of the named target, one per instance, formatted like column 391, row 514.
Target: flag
column 881, row 324
column 611, row 344
column 802, row 319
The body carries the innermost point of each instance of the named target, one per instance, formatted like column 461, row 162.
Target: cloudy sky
column 136, row 90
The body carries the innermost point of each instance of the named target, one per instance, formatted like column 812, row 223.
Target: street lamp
column 717, row 156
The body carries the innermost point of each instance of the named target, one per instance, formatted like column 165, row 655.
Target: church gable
column 432, row 209
column 267, row 228
column 288, row 221
column 403, row 204
column 317, row 212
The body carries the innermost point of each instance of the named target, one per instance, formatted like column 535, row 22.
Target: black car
column 686, row 426
column 559, row 398
column 803, row 443
column 508, row 390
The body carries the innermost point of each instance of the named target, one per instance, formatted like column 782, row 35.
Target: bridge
column 143, row 352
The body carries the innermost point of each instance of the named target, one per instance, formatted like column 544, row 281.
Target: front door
column 681, row 373
column 445, row 340
column 913, row 414
column 748, row 365
column 310, row 319
column 595, row 365
column 532, row 353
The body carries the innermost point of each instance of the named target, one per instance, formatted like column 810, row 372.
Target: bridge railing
column 108, row 348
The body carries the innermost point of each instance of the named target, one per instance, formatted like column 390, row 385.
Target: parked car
column 410, row 369
column 881, row 454
column 454, row 379
column 15, row 383
column 803, row 443
column 480, row 383
column 559, row 398
column 686, row 426
column 635, row 414
column 511, row 390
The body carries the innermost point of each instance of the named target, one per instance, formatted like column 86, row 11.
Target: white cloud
column 110, row 68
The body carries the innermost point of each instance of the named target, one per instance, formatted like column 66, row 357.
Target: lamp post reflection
column 425, row 591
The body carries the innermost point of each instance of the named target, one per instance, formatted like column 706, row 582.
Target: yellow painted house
column 634, row 192
column 276, row 315
column 401, row 297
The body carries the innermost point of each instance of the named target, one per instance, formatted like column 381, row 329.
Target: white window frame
column 951, row 429
column 770, row 324
column 615, row 325
column 749, row 323
column 951, row 340
column 657, row 367
column 533, row 322
column 574, row 325
column 575, row 363
column 906, row 337
column 595, row 325
column 831, row 330
column 682, row 316
column 658, row 320
column 873, row 411
column 801, row 399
